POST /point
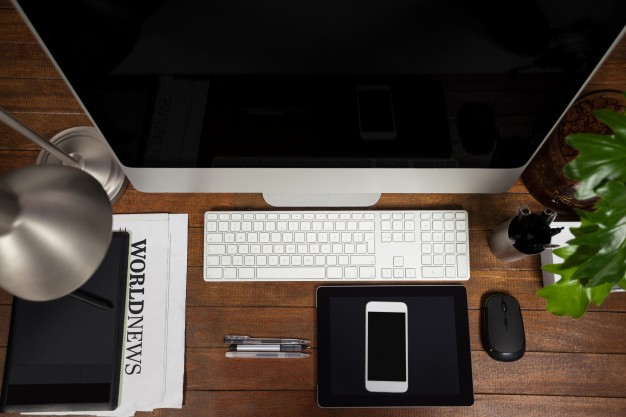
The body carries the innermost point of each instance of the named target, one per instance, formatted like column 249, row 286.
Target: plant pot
column 544, row 177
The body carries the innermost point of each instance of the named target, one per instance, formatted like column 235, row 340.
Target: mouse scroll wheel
column 503, row 305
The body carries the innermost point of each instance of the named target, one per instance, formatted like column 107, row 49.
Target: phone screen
column 386, row 341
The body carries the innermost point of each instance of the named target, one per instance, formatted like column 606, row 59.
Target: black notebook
column 66, row 354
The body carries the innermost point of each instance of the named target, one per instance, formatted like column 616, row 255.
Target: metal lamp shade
column 55, row 229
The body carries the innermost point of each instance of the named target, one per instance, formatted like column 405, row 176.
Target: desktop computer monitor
column 307, row 101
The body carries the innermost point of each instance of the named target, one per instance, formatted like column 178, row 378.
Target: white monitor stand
column 321, row 200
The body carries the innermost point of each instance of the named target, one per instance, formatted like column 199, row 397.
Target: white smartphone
column 386, row 347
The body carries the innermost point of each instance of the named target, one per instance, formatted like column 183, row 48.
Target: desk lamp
column 55, row 230
column 55, row 221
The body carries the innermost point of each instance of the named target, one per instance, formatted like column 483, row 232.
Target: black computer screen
column 201, row 83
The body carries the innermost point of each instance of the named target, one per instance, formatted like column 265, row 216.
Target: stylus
column 247, row 340
column 266, row 348
column 277, row 355
column 91, row 299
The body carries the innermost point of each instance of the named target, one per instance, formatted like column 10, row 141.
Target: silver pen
column 271, row 355
column 273, row 347
column 247, row 340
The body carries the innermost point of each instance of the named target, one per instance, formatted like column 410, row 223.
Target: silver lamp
column 56, row 217
column 55, row 230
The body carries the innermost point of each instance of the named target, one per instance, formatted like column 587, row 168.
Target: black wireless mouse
column 503, row 328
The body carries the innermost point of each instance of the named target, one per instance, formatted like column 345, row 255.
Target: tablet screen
column 65, row 354
column 439, row 361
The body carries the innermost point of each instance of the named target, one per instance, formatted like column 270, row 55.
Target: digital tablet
column 66, row 354
column 393, row 346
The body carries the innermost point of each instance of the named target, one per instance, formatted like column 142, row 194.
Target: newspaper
column 153, row 358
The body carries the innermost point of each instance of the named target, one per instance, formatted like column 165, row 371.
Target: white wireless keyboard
column 414, row 245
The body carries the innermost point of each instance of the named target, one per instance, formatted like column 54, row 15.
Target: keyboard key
column 362, row 260
column 366, row 226
column 212, row 273
column 351, row 272
column 462, row 266
column 367, row 272
column 335, row 272
column 216, row 249
column 246, row 273
column 432, row 272
column 214, row 237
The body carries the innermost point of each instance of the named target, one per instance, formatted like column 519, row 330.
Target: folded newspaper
column 153, row 360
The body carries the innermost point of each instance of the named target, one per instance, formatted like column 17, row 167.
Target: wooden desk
column 571, row 368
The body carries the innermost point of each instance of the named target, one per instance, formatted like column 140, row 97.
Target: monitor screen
column 455, row 85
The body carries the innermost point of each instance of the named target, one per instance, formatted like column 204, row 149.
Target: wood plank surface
column 571, row 368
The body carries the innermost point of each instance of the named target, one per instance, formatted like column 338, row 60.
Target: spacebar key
column 291, row 273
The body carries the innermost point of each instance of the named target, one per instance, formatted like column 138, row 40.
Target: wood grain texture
column 12, row 27
column 534, row 374
column 302, row 403
column 25, row 60
column 571, row 368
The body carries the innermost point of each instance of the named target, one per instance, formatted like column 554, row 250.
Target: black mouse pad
column 439, row 357
column 66, row 354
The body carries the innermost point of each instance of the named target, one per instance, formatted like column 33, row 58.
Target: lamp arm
column 25, row 131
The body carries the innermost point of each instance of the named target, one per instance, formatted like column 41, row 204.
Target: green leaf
column 566, row 298
column 605, row 227
column 615, row 120
column 581, row 255
column 571, row 298
column 573, row 257
column 600, row 157
column 601, row 269
column 599, row 293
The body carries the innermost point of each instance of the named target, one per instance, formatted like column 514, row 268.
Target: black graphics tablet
column 393, row 346
column 66, row 354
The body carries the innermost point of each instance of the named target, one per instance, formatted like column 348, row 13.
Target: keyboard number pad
column 444, row 245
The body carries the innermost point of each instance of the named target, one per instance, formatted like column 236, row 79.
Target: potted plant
column 595, row 260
